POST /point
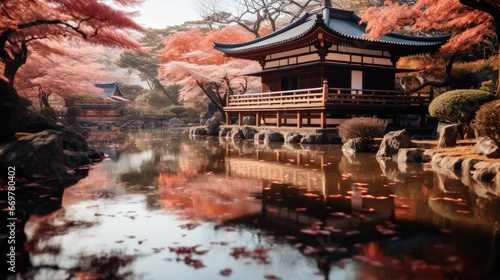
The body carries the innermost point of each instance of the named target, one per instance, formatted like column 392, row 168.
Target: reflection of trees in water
column 43, row 244
column 197, row 197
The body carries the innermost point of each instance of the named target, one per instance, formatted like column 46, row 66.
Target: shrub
column 487, row 121
column 363, row 127
column 73, row 112
column 459, row 106
column 48, row 112
column 177, row 110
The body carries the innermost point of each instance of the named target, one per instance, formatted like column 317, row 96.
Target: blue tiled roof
column 110, row 89
column 339, row 22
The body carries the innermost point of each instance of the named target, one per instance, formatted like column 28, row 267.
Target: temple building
column 321, row 69
column 101, row 108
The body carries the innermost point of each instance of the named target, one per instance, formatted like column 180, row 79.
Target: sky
column 162, row 13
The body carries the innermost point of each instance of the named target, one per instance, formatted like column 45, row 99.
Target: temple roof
column 112, row 91
column 341, row 27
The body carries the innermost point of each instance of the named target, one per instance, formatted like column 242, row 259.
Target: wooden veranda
column 324, row 107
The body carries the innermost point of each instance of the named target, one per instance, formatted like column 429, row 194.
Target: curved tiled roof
column 340, row 23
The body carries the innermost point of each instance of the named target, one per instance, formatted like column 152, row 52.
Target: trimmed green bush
column 177, row 110
column 363, row 127
column 487, row 121
column 459, row 106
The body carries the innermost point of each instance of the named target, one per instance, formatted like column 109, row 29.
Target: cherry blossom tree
column 190, row 60
column 23, row 22
column 474, row 25
column 62, row 68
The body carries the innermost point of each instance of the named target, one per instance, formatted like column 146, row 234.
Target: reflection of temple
column 314, row 181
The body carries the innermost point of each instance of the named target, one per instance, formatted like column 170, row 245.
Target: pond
column 165, row 206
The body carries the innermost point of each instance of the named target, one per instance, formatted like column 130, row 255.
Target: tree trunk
column 10, row 109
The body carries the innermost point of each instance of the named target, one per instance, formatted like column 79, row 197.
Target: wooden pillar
column 323, row 119
column 257, row 119
column 325, row 91
column 240, row 119
column 278, row 119
column 299, row 119
column 228, row 118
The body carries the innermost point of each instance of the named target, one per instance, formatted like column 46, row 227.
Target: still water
column 164, row 206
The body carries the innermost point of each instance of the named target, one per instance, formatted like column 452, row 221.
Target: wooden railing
column 376, row 97
column 310, row 97
column 318, row 97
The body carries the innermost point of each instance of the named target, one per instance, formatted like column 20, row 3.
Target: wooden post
column 240, row 119
column 228, row 118
column 325, row 91
column 323, row 119
column 299, row 119
column 257, row 119
column 278, row 119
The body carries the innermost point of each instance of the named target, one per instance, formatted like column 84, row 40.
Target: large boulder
column 448, row 135
column 213, row 126
column 274, row 137
column 249, row 120
column 392, row 142
column 34, row 122
column 248, row 132
column 486, row 147
column 412, row 155
column 73, row 140
column 36, row 154
column 314, row 138
column 355, row 145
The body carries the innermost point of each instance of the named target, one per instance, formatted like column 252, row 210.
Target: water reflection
column 210, row 209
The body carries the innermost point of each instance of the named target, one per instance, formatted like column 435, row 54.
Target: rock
column 249, row 120
column 274, row 137
column 314, row 138
column 392, row 142
column 213, row 126
column 36, row 154
column 95, row 155
column 236, row 133
column 448, row 136
column 248, row 132
column 355, row 145
column 73, row 140
column 412, row 155
column 197, row 131
column 488, row 172
column 104, row 127
column 487, row 147
column 224, row 132
column 293, row 138
column 259, row 137
column 74, row 159
column 33, row 122
column 175, row 122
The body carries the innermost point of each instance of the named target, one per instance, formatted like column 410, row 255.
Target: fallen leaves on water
column 226, row 272
column 190, row 226
column 271, row 277
column 258, row 254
